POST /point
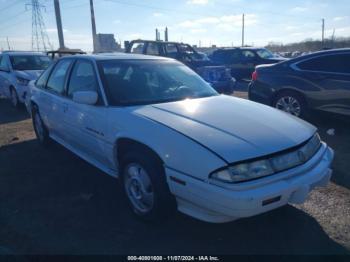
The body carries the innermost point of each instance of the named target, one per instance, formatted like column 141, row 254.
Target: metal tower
column 40, row 39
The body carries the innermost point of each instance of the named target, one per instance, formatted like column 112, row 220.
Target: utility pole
column 93, row 24
column 8, row 43
column 333, row 37
column 157, row 35
column 166, row 34
column 243, row 30
column 59, row 24
column 322, row 32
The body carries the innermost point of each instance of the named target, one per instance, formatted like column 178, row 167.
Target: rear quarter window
column 337, row 63
column 42, row 80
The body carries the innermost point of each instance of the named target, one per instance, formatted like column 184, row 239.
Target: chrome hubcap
column 289, row 104
column 14, row 98
column 39, row 127
column 139, row 188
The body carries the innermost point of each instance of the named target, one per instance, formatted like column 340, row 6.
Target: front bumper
column 21, row 93
column 214, row 203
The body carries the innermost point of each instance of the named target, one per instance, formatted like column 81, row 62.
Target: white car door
column 52, row 100
column 85, row 125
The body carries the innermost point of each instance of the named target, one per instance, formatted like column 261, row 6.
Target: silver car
column 17, row 69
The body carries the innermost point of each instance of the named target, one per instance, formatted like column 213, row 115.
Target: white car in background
column 17, row 69
column 174, row 141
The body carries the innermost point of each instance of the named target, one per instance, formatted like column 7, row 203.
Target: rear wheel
column 145, row 186
column 291, row 102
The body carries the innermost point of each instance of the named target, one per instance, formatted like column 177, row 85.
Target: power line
column 15, row 24
column 28, row 19
column 211, row 13
column 4, row 21
column 11, row 5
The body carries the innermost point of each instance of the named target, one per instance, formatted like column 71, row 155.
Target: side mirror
column 85, row 97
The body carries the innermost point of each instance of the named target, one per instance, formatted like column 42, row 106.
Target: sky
column 198, row 22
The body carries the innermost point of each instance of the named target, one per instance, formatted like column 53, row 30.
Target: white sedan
column 173, row 141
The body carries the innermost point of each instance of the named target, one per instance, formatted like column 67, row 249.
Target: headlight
column 311, row 147
column 22, row 81
column 244, row 171
column 260, row 168
column 285, row 161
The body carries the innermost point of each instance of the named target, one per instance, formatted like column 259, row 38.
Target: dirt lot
column 52, row 202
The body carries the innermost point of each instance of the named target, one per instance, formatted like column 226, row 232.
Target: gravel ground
column 52, row 202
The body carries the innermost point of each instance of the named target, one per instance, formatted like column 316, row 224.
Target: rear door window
column 226, row 57
column 171, row 50
column 337, row 63
column 152, row 49
column 248, row 55
column 137, row 48
column 58, row 77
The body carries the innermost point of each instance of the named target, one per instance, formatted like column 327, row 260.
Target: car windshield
column 29, row 62
column 133, row 82
column 264, row 53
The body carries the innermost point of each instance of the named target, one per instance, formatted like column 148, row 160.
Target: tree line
column 310, row 45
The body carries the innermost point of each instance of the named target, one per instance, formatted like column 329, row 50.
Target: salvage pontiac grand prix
column 174, row 142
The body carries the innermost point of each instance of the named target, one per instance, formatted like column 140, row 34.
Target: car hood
column 29, row 74
column 232, row 128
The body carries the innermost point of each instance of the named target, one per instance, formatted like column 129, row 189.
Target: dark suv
column 242, row 60
column 217, row 75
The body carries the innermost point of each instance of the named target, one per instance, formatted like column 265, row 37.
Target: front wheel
column 291, row 102
column 14, row 98
column 39, row 128
column 145, row 186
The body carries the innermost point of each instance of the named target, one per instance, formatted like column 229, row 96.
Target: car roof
column 322, row 52
column 119, row 56
column 330, row 51
column 239, row 48
column 15, row 53
column 154, row 41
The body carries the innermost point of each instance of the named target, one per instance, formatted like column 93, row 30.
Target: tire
column 41, row 131
column 291, row 102
column 14, row 98
column 143, row 177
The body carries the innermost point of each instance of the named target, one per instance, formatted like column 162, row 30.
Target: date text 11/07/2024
column 173, row 258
